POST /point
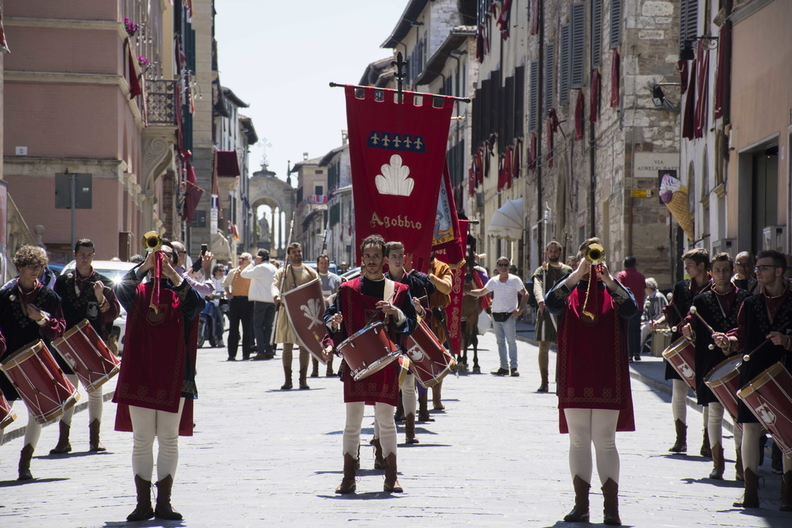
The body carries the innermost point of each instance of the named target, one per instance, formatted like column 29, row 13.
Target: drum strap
column 388, row 291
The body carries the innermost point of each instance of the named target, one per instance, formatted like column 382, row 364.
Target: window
column 533, row 97
column 318, row 190
column 615, row 22
column 564, row 66
column 688, row 21
column 596, row 33
column 549, row 65
column 577, row 18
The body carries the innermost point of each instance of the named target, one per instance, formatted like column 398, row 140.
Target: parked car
column 332, row 269
column 113, row 270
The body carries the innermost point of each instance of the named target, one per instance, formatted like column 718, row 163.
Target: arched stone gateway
column 266, row 189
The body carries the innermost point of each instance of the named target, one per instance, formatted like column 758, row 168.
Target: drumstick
column 747, row 357
column 694, row 311
column 379, row 310
column 676, row 308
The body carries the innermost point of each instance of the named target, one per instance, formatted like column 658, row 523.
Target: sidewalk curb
column 20, row 431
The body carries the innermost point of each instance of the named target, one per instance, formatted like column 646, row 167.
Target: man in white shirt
column 505, row 288
column 261, row 275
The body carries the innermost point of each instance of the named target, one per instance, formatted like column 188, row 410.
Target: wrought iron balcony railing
column 160, row 103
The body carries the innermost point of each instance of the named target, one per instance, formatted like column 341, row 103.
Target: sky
column 279, row 57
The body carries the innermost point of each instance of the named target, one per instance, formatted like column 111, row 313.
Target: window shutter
column 563, row 67
column 533, row 97
column 688, row 21
column 596, row 33
column 615, row 23
column 519, row 101
column 549, row 66
column 578, row 20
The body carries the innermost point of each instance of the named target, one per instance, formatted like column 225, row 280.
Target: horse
column 471, row 308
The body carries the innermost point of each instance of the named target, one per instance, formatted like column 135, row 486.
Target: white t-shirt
column 504, row 294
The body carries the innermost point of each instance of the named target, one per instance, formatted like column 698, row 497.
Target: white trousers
column 598, row 427
column 32, row 431
column 95, row 404
column 750, row 448
column 409, row 394
column 715, row 423
column 679, row 390
column 383, row 416
column 148, row 424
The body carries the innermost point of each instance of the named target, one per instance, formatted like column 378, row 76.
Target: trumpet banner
column 397, row 153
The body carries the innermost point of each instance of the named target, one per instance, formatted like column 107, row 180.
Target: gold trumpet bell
column 595, row 254
column 152, row 241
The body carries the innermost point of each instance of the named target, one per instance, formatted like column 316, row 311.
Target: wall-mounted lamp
column 686, row 52
column 659, row 98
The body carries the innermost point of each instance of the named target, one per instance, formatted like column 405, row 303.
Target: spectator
column 636, row 282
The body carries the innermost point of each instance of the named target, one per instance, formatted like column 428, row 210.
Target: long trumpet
column 152, row 241
column 595, row 254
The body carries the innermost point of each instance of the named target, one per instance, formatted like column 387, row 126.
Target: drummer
column 85, row 294
column 360, row 301
column 420, row 288
column 763, row 331
column 696, row 262
column 719, row 307
column 28, row 312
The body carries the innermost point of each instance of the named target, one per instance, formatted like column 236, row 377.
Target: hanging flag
column 615, row 76
column 397, row 155
column 447, row 235
column 454, row 309
column 3, row 44
column 192, row 193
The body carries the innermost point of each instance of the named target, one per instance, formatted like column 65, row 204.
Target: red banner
column 397, row 153
column 454, row 310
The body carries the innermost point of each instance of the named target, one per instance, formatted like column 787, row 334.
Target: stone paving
column 265, row 457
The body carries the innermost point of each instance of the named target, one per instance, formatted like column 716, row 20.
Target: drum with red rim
column 724, row 382
column 429, row 360
column 681, row 355
column 769, row 396
column 40, row 382
column 6, row 414
column 83, row 349
column 368, row 351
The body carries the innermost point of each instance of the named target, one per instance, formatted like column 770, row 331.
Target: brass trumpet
column 152, row 241
column 595, row 254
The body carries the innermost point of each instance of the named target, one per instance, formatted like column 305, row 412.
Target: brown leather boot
column 303, row 376
column 718, row 464
column 391, row 481
column 315, row 368
column 680, row 446
column 786, row 492
column 25, row 457
column 610, row 495
column 544, row 385
column 738, row 466
column 348, row 482
column 63, row 445
column 379, row 461
column 423, row 408
column 437, row 397
column 287, row 373
column 580, row 513
column 164, row 509
column 142, row 511
column 409, row 429
column 751, row 497
column 329, row 372
column 93, row 437
column 705, row 450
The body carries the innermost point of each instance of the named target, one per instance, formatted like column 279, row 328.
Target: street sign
column 83, row 198
column 643, row 193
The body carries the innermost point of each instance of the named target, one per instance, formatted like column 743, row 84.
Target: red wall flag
column 397, row 153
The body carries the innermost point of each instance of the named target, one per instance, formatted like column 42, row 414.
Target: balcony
column 160, row 103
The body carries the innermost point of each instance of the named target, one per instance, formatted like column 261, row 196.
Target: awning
column 228, row 163
column 507, row 222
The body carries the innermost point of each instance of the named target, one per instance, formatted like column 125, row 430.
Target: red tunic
column 153, row 365
column 358, row 309
column 592, row 362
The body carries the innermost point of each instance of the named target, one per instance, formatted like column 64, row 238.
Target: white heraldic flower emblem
column 395, row 178
column 311, row 310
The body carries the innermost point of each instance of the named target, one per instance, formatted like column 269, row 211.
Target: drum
column 429, row 360
column 724, row 382
column 661, row 339
column 40, row 382
column 6, row 414
column 83, row 349
column 769, row 396
column 368, row 351
column 682, row 357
